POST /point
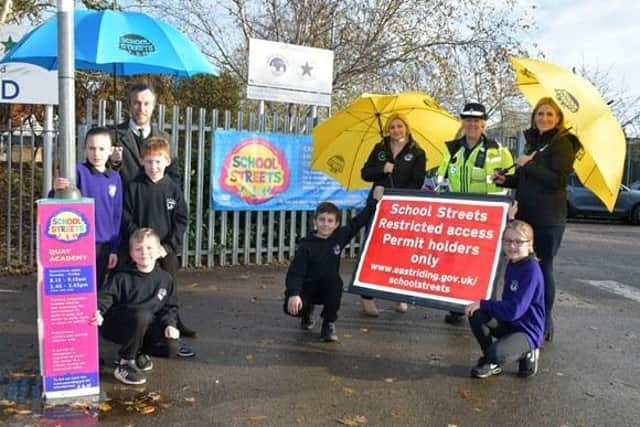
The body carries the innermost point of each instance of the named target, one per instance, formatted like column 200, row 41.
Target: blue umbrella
column 122, row 43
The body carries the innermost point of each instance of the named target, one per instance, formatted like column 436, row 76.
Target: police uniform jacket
column 469, row 171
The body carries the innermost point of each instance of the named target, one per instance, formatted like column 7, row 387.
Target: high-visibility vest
column 473, row 174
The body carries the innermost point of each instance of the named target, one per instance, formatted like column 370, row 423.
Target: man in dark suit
column 130, row 136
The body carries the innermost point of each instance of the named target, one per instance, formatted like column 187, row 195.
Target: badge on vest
column 337, row 249
column 161, row 294
column 111, row 190
column 514, row 285
column 171, row 203
column 382, row 156
column 408, row 157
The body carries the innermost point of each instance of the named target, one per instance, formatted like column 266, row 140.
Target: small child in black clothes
column 314, row 273
column 137, row 309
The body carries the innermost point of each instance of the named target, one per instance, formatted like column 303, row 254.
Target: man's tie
column 140, row 139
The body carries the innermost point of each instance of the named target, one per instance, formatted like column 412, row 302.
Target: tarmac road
column 255, row 367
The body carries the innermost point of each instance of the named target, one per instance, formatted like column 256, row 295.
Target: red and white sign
column 435, row 249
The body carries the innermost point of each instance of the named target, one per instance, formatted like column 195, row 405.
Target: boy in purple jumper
column 97, row 180
column 517, row 321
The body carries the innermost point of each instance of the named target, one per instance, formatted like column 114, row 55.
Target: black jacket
column 316, row 256
column 409, row 166
column 131, row 162
column 154, row 291
column 541, row 184
column 158, row 205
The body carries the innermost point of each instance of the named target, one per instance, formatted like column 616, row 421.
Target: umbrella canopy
column 342, row 143
column 122, row 43
column 600, row 162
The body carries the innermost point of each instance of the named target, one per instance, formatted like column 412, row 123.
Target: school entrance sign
column 434, row 250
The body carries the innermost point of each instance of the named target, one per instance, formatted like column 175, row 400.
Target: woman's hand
column 497, row 177
column 388, row 167
column 294, row 305
column 524, row 159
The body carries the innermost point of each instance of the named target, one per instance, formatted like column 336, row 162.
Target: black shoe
column 328, row 332
column 144, row 362
column 306, row 319
column 185, row 350
column 128, row 374
column 485, row 370
column 454, row 318
column 528, row 364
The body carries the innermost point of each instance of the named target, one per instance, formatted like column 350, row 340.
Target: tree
column 379, row 46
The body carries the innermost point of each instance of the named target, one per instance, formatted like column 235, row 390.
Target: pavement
column 255, row 367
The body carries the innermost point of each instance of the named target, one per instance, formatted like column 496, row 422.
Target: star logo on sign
column 8, row 44
column 306, row 69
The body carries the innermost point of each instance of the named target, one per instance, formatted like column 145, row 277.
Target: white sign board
column 289, row 73
column 22, row 83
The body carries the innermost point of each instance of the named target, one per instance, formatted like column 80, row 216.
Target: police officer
column 470, row 161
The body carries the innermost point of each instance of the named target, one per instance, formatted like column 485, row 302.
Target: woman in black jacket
column 541, row 180
column 395, row 162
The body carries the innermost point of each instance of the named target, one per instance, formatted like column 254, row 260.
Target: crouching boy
column 314, row 273
column 137, row 309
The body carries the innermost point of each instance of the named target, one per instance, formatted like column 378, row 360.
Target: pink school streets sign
column 67, row 298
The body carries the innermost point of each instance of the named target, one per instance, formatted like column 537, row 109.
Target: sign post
column 435, row 250
column 67, row 298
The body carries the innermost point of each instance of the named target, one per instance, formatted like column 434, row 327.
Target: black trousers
column 510, row 344
column 327, row 291
column 137, row 330
column 546, row 242
column 103, row 250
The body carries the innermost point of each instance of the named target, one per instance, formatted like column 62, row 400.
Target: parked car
column 582, row 202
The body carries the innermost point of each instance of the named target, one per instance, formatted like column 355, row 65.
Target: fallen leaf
column 452, row 425
column 23, row 412
column 395, row 413
column 257, row 418
column 467, row 395
column 355, row 421
column 249, row 357
column 347, row 336
column 164, row 405
column 147, row 410
column 348, row 391
column 364, row 330
column 389, row 380
column 190, row 399
column 104, row 407
column 193, row 285
column 153, row 396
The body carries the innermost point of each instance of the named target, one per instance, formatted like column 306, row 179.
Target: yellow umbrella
column 600, row 162
column 342, row 143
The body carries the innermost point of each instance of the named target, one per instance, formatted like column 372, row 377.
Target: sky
column 602, row 34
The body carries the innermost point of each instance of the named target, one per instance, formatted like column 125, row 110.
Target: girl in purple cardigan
column 512, row 329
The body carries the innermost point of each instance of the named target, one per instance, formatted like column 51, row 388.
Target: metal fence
column 212, row 237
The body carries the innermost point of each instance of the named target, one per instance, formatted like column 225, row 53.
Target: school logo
column 136, row 45
column 514, row 285
column 382, row 156
column 453, row 168
column 162, row 293
column 277, row 65
column 337, row 249
column 111, row 190
column 255, row 170
column 408, row 157
column 171, row 203
column 67, row 226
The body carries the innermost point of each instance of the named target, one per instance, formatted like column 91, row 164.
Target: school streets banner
column 435, row 250
column 267, row 171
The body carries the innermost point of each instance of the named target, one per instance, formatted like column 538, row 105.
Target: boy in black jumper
column 314, row 273
column 137, row 309
column 154, row 200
